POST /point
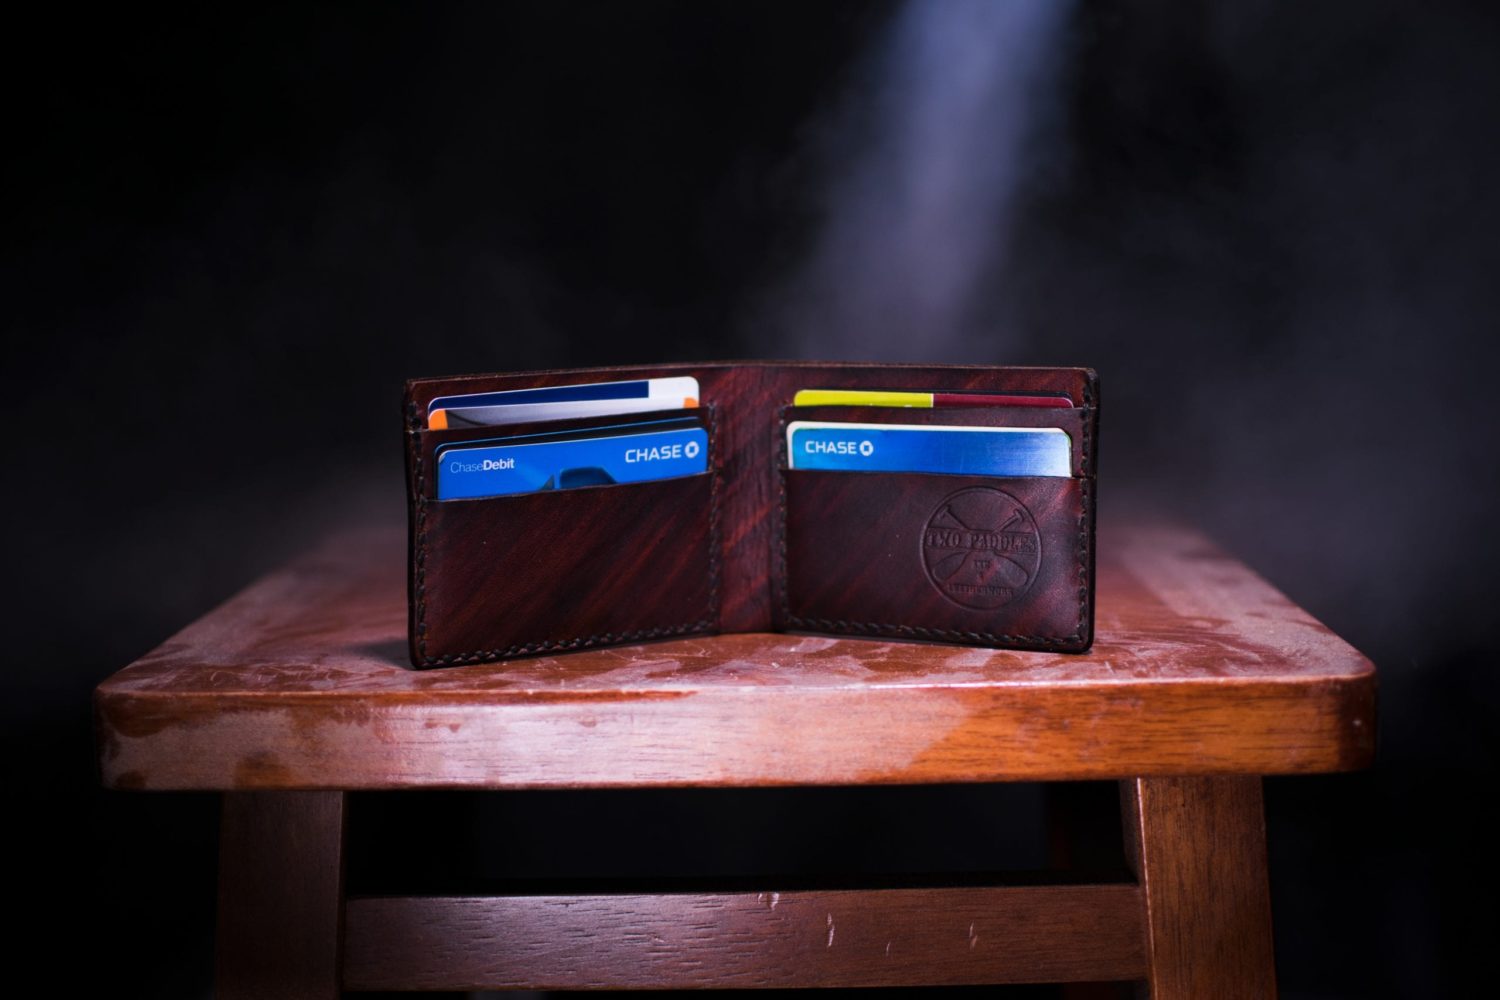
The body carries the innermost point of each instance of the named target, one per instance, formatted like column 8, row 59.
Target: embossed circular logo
column 981, row 548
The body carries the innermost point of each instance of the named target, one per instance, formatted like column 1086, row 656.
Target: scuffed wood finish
column 281, row 896
column 893, row 937
column 1198, row 847
column 1199, row 667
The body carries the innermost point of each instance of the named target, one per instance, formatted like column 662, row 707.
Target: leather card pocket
column 557, row 570
column 973, row 559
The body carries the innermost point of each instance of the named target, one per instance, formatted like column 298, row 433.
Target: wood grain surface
column 891, row 937
column 301, row 681
column 1198, row 847
column 281, row 896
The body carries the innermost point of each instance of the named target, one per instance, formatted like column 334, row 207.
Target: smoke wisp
column 922, row 158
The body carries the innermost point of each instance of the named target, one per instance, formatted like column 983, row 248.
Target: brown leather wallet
column 750, row 545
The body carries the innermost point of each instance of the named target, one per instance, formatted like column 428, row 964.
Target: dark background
column 1272, row 227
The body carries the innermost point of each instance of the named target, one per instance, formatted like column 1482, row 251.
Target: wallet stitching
column 830, row 625
column 420, row 492
column 604, row 638
column 715, row 553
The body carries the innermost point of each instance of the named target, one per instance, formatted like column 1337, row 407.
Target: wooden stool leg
column 281, row 895
column 1198, row 847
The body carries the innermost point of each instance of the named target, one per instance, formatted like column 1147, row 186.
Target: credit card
column 492, row 416
column 558, row 402
column 974, row 451
column 926, row 400
column 632, row 453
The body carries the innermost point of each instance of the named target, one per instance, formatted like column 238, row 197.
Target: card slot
column 989, row 416
column 431, row 439
column 420, row 392
column 424, row 444
column 559, row 492
column 996, row 561
column 528, row 573
column 1078, row 384
column 1080, row 423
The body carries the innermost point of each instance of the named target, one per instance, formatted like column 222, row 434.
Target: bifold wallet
column 751, row 545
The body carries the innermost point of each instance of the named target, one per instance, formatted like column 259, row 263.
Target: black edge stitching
column 783, row 462
column 917, row 631
column 417, row 445
column 715, row 611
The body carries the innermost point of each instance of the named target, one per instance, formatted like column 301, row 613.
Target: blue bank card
column 974, row 451
column 629, row 454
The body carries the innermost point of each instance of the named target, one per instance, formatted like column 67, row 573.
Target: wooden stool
column 1203, row 679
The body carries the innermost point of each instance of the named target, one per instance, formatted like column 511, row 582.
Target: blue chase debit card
column 630, row 454
column 975, row 451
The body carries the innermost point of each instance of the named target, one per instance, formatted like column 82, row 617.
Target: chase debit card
column 629, row 455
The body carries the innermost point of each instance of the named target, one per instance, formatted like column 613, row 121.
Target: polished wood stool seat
column 1203, row 678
